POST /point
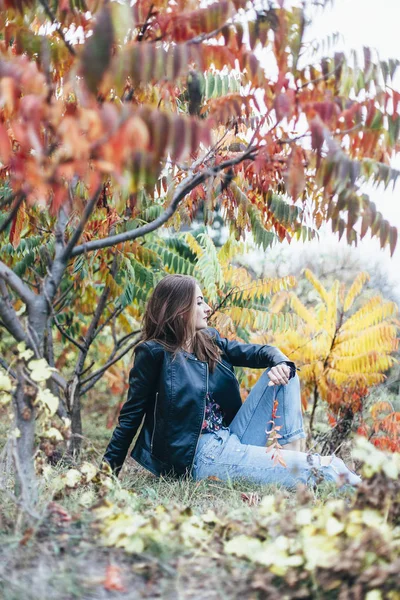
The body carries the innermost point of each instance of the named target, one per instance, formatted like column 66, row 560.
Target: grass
column 56, row 559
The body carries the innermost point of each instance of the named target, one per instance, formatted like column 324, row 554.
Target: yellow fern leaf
column 193, row 244
column 278, row 301
column 317, row 284
column 355, row 290
column 371, row 313
column 303, row 312
column 230, row 249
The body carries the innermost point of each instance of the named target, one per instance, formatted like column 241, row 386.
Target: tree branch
column 49, row 354
column 146, row 24
column 16, row 283
column 186, row 186
column 81, row 226
column 7, row 368
column 59, row 30
column 53, row 280
column 66, row 335
column 9, row 316
column 98, row 374
column 61, row 299
column 115, row 314
column 19, row 199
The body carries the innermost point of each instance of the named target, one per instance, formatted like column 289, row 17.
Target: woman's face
column 201, row 310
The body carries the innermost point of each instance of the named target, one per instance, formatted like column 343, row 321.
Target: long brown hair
column 169, row 319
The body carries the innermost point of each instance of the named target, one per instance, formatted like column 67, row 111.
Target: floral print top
column 213, row 417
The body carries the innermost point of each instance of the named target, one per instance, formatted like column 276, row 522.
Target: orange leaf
column 17, row 226
column 113, row 581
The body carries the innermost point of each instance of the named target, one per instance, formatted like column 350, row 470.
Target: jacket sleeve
column 142, row 386
column 256, row 356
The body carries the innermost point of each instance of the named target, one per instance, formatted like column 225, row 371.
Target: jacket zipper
column 229, row 371
column 154, row 426
column 202, row 421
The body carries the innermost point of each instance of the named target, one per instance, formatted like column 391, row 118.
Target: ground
column 63, row 555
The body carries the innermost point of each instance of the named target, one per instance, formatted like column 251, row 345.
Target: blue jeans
column 240, row 449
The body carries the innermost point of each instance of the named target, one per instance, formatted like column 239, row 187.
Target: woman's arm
column 143, row 379
column 256, row 356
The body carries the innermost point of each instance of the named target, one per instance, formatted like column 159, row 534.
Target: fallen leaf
column 113, row 581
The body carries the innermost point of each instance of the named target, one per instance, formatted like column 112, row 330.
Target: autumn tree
column 344, row 344
column 117, row 120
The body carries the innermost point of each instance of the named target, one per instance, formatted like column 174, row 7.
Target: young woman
column 183, row 387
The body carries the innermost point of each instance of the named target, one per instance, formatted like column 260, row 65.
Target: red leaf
column 384, row 232
column 295, row 179
column 392, row 239
column 179, row 138
column 5, row 145
column 159, row 123
column 113, row 581
column 60, row 195
column 252, row 63
column 282, row 106
column 317, row 134
column 194, row 135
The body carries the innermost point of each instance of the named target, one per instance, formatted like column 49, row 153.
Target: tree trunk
column 74, row 409
column 24, row 442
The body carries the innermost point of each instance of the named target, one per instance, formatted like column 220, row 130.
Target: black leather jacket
column 170, row 393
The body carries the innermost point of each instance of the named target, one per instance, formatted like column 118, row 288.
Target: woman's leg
column 221, row 454
column 253, row 419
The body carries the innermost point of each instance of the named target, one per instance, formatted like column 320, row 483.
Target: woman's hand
column 279, row 375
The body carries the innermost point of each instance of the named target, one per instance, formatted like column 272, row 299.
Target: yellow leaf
column 89, row 471
column 5, row 398
column 23, row 353
column 52, row 434
column 72, row 477
column 5, row 383
column 40, row 370
column 355, row 290
column 333, row 526
column 48, row 400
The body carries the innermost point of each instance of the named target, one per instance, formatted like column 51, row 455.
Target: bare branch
column 115, row 314
column 63, row 296
column 19, row 199
column 9, row 316
column 199, row 39
column 59, row 30
column 17, row 284
column 67, row 336
column 186, row 186
column 127, row 337
column 146, row 24
column 91, row 332
column 7, row 368
column 79, row 230
column 94, row 377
